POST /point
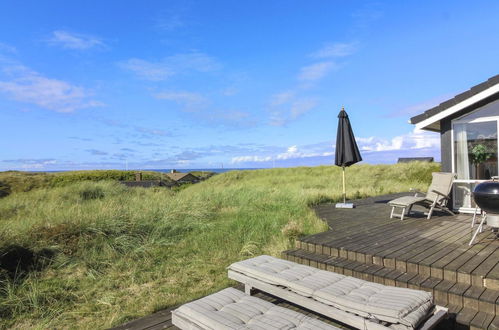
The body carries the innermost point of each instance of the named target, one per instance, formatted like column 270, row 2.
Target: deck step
column 443, row 272
column 475, row 304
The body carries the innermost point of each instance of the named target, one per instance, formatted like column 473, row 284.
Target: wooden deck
column 431, row 255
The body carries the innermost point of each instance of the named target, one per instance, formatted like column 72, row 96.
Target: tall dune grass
column 97, row 254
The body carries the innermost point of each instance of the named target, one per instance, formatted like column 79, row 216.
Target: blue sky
column 198, row 84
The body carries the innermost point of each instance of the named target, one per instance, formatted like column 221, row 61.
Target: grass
column 98, row 254
column 15, row 181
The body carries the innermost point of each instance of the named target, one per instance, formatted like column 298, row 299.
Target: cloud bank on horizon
column 189, row 84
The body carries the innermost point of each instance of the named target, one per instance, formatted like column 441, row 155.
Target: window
column 475, row 152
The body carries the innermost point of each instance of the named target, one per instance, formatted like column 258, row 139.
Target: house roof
column 180, row 176
column 148, row 183
column 430, row 119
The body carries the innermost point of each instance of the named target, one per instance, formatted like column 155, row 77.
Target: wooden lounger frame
column 437, row 314
column 182, row 322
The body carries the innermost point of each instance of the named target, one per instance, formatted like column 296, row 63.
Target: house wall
column 446, row 135
column 446, row 127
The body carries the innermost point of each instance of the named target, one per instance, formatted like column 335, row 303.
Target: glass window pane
column 475, row 150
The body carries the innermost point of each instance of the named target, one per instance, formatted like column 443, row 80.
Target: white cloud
column 302, row 106
column 57, row 95
column 336, row 50
column 230, row 91
column 170, row 66
column 148, row 70
column 7, row 48
column 284, row 108
column 416, row 139
column 281, row 98
column 418, row 108
column 244, row 159
column 29, row 163
column 294, row 152
column 152, row 131
column 373, row 149
column 75, row 41
column 316, row 71
column 191, row 101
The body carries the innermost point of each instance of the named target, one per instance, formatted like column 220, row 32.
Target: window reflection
column 475, row 150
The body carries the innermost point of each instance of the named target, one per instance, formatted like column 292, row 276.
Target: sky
column 239, row 84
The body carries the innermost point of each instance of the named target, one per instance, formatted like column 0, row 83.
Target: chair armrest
column 439, row 193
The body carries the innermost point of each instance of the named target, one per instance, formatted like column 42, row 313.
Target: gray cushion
column 233, row 309
column 406, row 200
column 391, row 304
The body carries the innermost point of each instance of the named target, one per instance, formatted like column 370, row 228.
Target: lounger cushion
column 406, row 200
column 391, row 304
column 233, row 309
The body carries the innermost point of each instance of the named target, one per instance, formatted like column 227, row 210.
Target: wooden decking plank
column 494, row 325
column 464, row 272
column 465, row 316
column 471, row 296
column 492, row 278
column 428, row 257
column 450, row 253
column 441, row 292
column 481, row 320
column 488, row 301
column 158, row 318
column 401, row 242
column 456, row 251
column 403, row 280
column 381, row 242
column 356, row 234
column 479, row 273
column 386, row 239
column 430, row 283
column 448, row 235
column 450, row 269
column 456, row 292
column 417, row 246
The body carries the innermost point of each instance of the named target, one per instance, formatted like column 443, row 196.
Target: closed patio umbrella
column 347, row 152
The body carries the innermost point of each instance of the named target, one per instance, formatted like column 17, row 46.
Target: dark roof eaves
column 456, row 99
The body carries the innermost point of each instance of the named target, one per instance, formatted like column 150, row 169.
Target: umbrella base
column 345, row 205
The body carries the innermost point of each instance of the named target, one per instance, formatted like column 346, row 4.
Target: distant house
column 183, row 177
column 415, row 159
column 147, row 183
column 468, row 125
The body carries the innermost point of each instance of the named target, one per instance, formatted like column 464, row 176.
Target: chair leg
column 430, row 212
column 449, row 211
column 391, row 213
column 402, row 214
column 248, row 289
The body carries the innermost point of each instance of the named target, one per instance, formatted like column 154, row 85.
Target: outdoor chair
column 436, row 198
column 352, row 301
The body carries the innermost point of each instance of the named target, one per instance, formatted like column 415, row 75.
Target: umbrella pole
column 344, row 189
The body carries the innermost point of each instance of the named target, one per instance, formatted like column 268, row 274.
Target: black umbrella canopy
column 347, row 152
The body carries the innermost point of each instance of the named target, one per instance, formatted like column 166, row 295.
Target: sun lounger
column 352, row 301
column 435, row 199
column 235, row 310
